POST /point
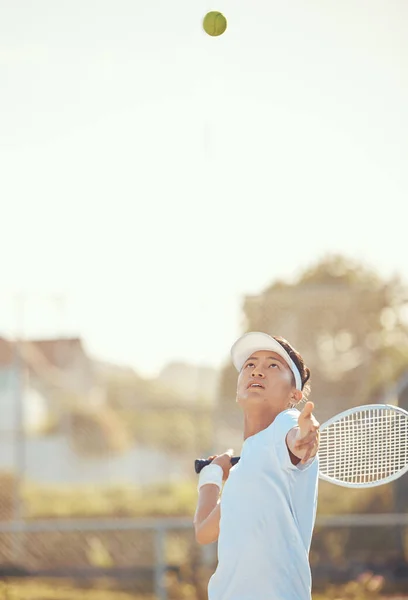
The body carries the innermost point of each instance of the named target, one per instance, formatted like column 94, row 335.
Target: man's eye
column 250, row 365
column 274, row 365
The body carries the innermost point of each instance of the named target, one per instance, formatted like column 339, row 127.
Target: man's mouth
column 256, row 385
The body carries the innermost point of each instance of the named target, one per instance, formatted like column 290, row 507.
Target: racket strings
column 365, row 446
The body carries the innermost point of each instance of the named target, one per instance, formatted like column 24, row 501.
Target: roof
column 60, row 352
column 6, row 352
column 50, row 360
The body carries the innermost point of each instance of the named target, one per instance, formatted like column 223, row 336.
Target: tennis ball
column 214, row 23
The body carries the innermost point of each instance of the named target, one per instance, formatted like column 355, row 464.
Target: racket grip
column 200, row 463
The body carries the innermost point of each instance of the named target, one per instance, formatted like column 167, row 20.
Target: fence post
column 160, row 565
column 18, row 382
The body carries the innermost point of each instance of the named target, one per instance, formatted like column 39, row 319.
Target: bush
column 96, row 432
column 41, row 501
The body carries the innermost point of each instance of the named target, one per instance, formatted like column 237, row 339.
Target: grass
column 67, row 590
column 61, row 590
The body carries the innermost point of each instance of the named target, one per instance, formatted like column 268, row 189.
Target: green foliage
column 338, row 544
column 129, row 392
column 335, row 500
column 347, row 322
column 97, row 432
column 388, row 363
column 337, row 269
column 172, row 429
column 158, row 417
column 42, row 501
column 367, row 587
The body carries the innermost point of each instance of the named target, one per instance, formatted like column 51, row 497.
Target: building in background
column 56, row 418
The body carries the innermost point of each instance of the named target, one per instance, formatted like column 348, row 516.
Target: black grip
column 200, row 463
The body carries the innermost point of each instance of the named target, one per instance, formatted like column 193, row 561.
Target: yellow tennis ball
column 214, row 23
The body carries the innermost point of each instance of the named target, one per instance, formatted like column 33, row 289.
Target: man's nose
column 257, row 372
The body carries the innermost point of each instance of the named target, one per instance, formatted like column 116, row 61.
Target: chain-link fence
column 158, row 558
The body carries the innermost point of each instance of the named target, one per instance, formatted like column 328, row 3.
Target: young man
column 265, row 517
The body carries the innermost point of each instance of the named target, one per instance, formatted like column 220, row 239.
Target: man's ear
column 297, row 396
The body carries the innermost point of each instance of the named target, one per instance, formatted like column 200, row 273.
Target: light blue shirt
column 268, row 510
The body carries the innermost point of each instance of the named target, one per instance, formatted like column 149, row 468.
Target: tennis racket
column 361, row 447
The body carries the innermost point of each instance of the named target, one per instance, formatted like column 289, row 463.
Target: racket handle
column 200, row 463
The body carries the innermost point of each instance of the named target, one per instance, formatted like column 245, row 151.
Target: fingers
column 310, row 450
column 304, row 443
column 307, row 421
column 301, row 447
column 306, row 456
column 229, row 453
column 308, row 409
column 309, row 445
column 224, row 461
column 311, row 434
column 311, row 437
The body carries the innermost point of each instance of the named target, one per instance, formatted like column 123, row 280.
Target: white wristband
column 210, row 474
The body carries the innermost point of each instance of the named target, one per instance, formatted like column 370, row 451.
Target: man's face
column 265, row 379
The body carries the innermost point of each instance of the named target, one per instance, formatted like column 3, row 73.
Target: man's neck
column 256, row 422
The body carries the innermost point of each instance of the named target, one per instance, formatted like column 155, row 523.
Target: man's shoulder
column 287, row 417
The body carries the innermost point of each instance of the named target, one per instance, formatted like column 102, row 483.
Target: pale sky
column 152, row 176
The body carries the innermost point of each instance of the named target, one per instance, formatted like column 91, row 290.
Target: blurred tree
column 193, row 383
column 171, row 429
column 129, row 391
column 346, row 321
column 98, row 433
column 157, row 415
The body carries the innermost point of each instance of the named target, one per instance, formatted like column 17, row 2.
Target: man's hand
column 307, row 437
column 224, row 460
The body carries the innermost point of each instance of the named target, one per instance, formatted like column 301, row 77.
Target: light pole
column 19, row 433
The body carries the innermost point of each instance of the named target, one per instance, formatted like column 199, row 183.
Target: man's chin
column 251, row 398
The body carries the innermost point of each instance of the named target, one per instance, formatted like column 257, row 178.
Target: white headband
column 255, row 341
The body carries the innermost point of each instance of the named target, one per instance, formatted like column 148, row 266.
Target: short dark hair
column 299, row 362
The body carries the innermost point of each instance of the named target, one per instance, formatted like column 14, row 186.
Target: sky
column 153, row 176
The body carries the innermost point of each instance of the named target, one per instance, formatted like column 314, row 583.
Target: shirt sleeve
column 283, row 423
